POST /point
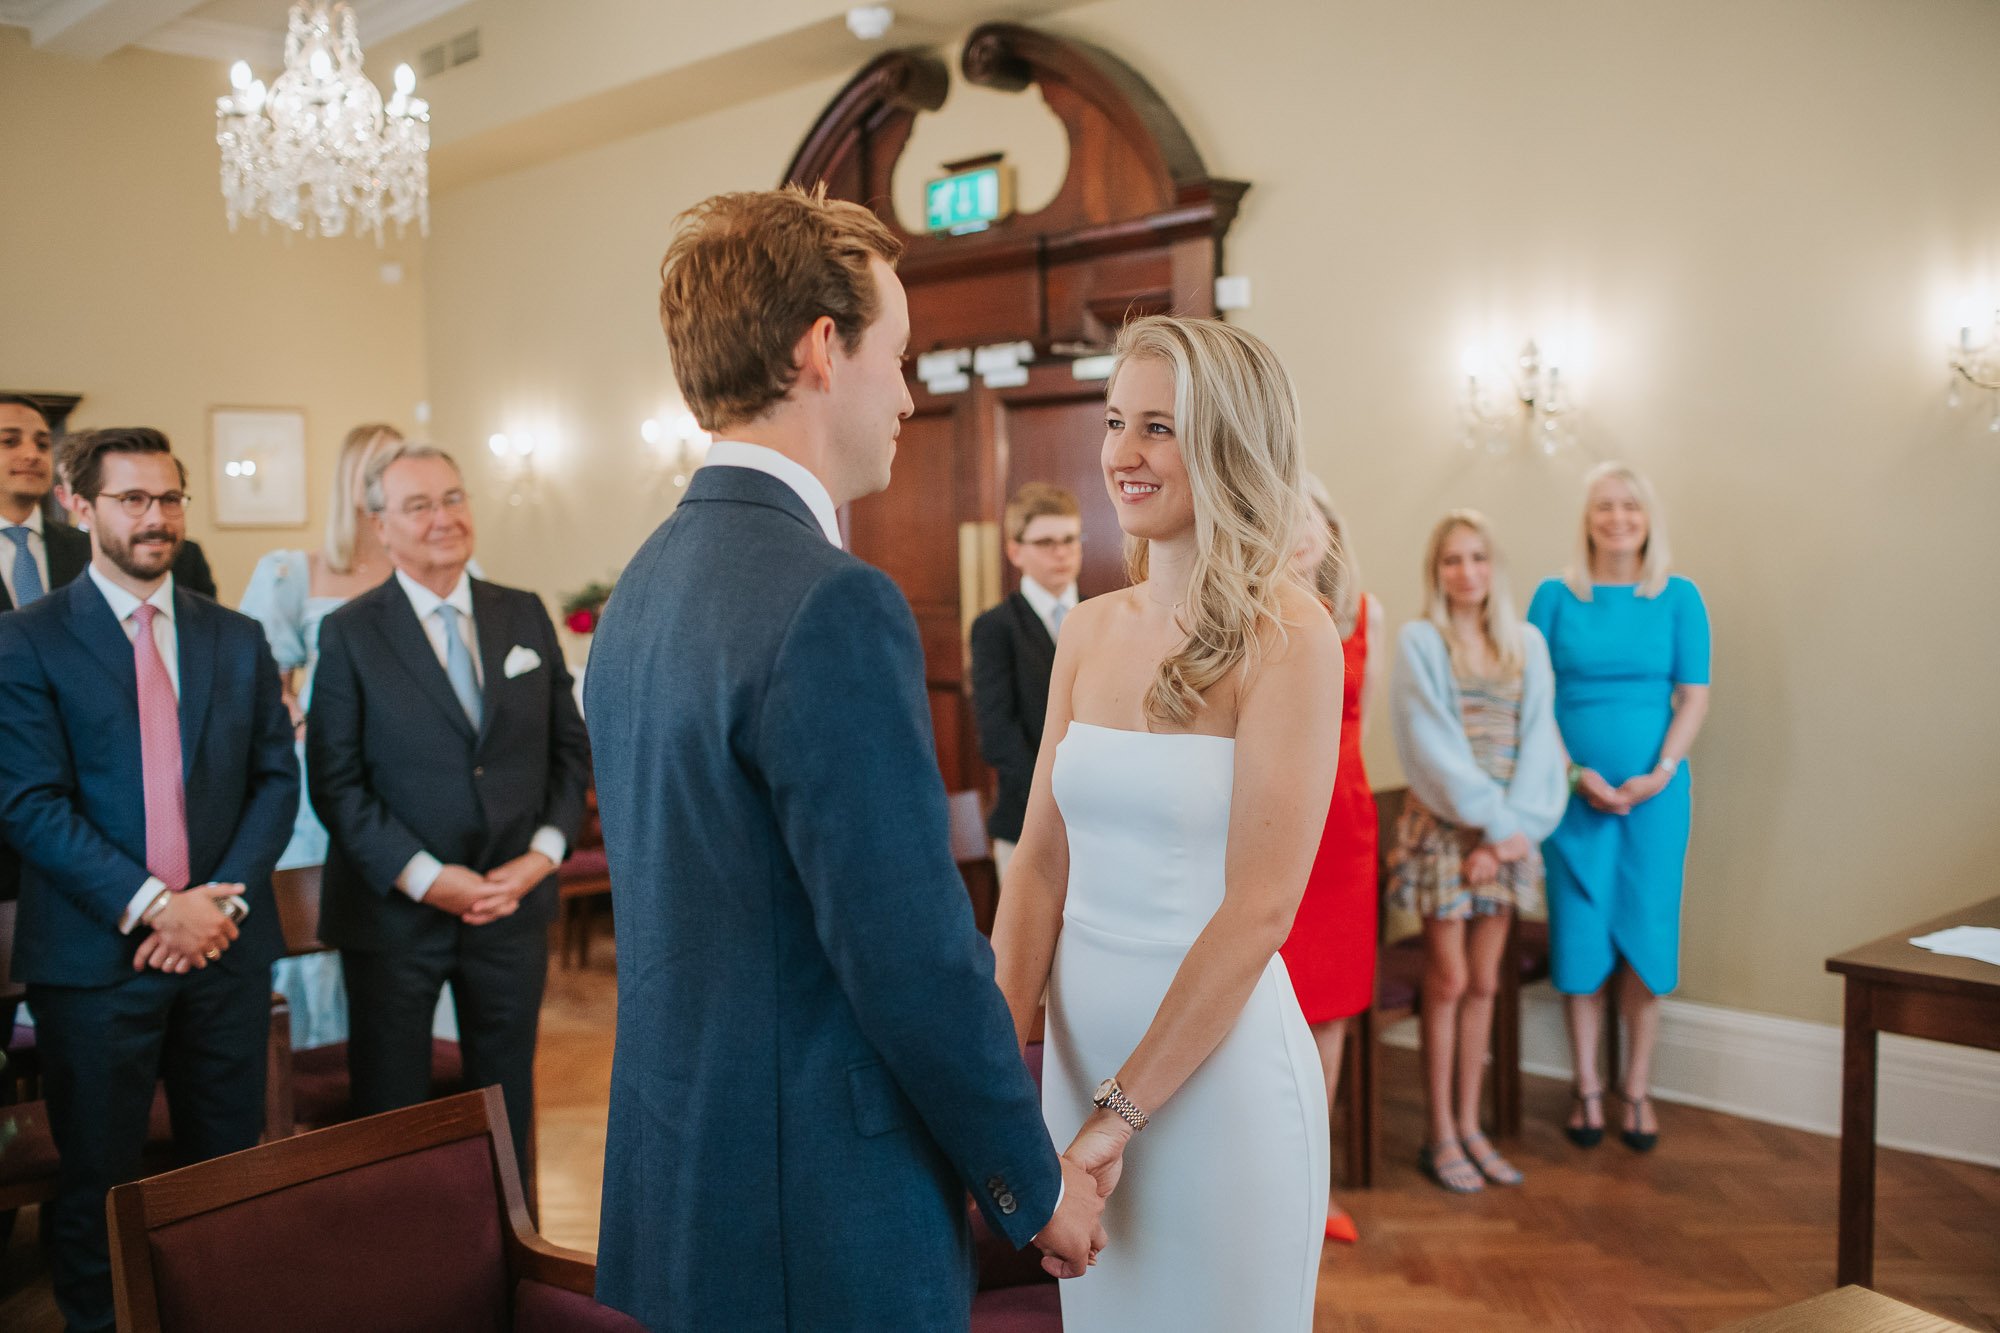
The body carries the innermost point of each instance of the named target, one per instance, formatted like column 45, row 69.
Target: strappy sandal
column 1457, row 1175
column 1490, row 1163
column 1633, row 1138
column 1585, row 1135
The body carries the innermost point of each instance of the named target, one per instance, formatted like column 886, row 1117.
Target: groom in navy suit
column 148, row 779
column 813, row 1063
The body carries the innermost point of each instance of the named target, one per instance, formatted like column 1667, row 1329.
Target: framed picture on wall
column 257, row 466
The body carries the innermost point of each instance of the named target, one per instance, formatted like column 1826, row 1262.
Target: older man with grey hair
column 447, row 759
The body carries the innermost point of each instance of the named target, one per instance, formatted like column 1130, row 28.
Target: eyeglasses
column 422, row 507
column 136, row 503
column 1047, row 544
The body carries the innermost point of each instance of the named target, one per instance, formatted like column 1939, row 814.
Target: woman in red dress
column 1331, row 951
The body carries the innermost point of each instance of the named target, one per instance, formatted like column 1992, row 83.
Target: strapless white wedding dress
column 1217, row 1223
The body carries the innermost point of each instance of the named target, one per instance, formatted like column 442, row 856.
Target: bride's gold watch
column 1112, row 1098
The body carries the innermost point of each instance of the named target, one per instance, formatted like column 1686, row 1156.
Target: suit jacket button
column 1006, row 1202
column 479, row 771
column 995, row 1184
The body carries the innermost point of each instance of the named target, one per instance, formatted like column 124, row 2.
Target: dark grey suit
column 393, row 767
column 1012, row 655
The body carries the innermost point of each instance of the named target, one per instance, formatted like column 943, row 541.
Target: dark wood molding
column 894, row 86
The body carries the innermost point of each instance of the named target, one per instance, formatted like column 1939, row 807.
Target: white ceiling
column 211, row 29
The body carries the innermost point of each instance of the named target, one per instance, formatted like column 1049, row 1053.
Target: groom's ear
column 814, row 354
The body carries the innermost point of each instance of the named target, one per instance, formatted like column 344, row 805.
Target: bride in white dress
column 1193, row 729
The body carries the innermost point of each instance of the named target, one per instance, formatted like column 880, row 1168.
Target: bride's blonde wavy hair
column 1236, row 417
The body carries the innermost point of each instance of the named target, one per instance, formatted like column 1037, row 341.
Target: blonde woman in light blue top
column 290, row 593
column 1472, row 707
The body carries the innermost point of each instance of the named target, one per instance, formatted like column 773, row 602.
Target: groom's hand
column 1076, row 1233
column 1099, row 1148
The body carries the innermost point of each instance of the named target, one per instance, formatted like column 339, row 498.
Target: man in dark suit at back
column 148, row 779
column 36, row 554
column 191, row 571
column 814, row 1063
column 446, row 757
column 1014, row 649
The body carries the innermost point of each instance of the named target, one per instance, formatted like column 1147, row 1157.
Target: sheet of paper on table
column 1981, row 942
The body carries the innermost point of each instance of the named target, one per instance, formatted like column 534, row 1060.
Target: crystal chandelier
column 320, row 143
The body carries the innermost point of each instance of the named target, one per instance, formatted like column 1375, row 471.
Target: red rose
column 581, row 621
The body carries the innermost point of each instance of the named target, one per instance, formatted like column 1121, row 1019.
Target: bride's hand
column 1099, row 1148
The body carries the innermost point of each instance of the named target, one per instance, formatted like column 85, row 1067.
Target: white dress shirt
column 38, row 547
column 1045, row 602
column 422, row 870
column 735, row 453
column 168, row 640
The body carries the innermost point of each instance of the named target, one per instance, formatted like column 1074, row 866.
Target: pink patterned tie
column 160, row 758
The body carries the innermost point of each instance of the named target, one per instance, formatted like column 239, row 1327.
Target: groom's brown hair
column 746, row 275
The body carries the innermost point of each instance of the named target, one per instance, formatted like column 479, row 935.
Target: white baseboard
column 1940, row 1100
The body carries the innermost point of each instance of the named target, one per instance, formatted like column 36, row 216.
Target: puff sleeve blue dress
column 1614, row 881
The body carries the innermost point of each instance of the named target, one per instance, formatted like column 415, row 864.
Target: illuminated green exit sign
column 969, row 200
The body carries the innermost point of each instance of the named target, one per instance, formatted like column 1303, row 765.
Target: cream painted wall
column 120, row 279
column 1754, row 220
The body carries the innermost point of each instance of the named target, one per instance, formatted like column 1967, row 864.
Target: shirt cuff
column 550, row 842
column 419, row 875
column 151, row 889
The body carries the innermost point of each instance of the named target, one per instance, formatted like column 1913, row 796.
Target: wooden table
column 1893, row 986
column 1849, row 1310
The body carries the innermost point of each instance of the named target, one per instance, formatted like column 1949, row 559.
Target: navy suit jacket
column 394, row 767
column 813, row 1063
column 72, row 800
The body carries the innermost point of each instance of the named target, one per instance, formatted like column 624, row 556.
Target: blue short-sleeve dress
column 1614, row 881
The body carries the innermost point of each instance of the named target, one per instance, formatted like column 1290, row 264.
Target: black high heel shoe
column 1585, row 1135
column 1635, row 1140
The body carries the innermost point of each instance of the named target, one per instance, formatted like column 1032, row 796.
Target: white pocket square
column 520, row 661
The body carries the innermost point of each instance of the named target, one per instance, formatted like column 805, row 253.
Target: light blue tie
column 27, row 575
column 1056, row 619
column 458, row 665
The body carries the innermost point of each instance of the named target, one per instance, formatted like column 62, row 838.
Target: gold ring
column 212, row 955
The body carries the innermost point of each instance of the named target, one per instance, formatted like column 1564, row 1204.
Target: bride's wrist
column 1106, row 1121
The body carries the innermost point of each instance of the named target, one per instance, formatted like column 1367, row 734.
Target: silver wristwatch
column 1112, row 1098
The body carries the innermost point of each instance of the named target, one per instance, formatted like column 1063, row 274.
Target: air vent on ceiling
column 435, row 60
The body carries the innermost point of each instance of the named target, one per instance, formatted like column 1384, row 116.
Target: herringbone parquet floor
column 1728, row 1218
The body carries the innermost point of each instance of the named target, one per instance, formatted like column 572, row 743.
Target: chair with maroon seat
column 410, row 1219
column 581, row 880
column 1015, row 1294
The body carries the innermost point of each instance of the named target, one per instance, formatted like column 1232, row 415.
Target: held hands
column 190, row 931
column 1515, row 848
column 1602, row 795
column 1482, row 866
column 1070, row 1242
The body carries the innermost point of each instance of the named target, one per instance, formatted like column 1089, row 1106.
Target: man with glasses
column 449, row 764
column 1014, row 649
column 191, row 571
column 148, row 780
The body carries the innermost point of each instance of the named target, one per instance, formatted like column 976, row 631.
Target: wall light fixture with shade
column 678, row 443
column 515, row 453
column 1975, row 359
column 1530, row 401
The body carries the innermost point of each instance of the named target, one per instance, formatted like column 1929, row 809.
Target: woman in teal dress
column 1630, row 646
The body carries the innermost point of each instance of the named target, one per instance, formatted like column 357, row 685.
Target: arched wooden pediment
column 1136, row 227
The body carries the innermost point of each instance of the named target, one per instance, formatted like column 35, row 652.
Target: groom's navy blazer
column 813, row 1062
column 71, row 796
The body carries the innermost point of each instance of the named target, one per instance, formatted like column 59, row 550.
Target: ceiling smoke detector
column 870, row 22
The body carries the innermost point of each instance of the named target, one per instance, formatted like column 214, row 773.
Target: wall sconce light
column 678, row 442
column 1532, row 402
column 1976, row 360
column 516, row 455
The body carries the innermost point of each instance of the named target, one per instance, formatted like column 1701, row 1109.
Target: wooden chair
column 974, row 855
column 581, row 881
column 418, row 1212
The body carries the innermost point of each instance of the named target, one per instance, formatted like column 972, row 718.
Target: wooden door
column 1052, row 429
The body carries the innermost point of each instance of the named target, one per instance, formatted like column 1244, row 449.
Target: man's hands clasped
column 190, row 930
column 479, row 899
